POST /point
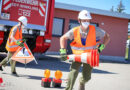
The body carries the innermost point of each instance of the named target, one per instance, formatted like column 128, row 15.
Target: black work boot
column 1, row 68
column 81, row 87
column 15, row 74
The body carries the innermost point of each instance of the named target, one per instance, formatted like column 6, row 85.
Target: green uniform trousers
column 12, row 62
column 74, row 70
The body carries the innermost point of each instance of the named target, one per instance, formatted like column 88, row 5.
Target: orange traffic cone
column 91, row 58
column 46, row 82
column 56, row 82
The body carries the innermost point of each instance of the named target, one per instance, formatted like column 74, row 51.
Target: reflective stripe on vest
column 17, row 40
column 12, row 46
column 84, row 48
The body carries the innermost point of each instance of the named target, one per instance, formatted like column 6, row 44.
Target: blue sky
column 99, row 4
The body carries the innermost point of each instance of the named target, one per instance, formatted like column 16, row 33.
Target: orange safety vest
column 76, row 45
column 11, row 46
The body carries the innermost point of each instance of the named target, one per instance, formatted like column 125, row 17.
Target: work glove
column 20, row 44
column 63, row 54
column 24, row 40
column 100, row 48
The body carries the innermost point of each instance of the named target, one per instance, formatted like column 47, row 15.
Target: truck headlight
column 47, row 41
column 42, row 33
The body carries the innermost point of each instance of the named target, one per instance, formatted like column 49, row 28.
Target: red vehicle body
column 39, row 13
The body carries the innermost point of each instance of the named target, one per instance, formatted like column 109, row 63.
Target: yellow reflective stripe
column 84, row 48
column 13, row 46
column 17, row 40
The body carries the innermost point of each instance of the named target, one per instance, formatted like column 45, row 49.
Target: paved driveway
column 109, row 76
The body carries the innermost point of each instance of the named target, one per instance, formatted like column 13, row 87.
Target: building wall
column 116, row 27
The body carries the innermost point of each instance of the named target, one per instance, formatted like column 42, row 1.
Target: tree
column 120, row 7
column 112, row 9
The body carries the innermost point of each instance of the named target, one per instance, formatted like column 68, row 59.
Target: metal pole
column 129, row 51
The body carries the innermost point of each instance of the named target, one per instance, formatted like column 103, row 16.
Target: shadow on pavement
column 102, row 71
column 2, row 56
column 115, row 61
column 53, row 63
column 35, row 77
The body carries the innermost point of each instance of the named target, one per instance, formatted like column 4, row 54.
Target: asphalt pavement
column 108, row 76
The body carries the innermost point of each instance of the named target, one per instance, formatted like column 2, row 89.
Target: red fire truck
column 39, row 13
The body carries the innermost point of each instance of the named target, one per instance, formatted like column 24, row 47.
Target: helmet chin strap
column 21, row 25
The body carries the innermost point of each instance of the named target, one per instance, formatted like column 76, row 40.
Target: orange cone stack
column 91, row 58
column 57, row 80
column 46, row 81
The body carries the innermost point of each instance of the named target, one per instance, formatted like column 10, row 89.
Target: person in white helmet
column 14, row 41
column 84, row 38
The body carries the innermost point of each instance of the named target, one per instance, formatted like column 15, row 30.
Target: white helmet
column 23, row 19
column 84, row 14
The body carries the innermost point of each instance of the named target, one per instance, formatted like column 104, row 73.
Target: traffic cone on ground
column 91, row 58
column 56, row 82
column 1, row 80
column 46, row 82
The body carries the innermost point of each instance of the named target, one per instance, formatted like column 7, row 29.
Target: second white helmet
column 23, row 19
column 84, row 14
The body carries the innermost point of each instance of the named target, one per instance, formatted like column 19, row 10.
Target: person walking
column 85, row 38
column 13, row 43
